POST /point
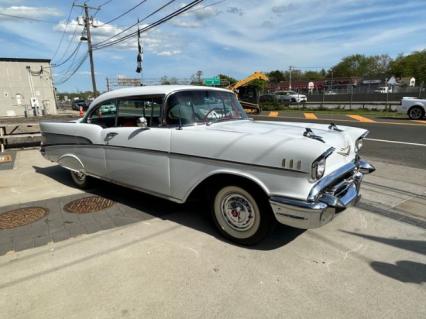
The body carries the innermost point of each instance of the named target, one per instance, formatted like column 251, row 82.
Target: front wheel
column 80, row 179
column 416, row 113
column 239, row 216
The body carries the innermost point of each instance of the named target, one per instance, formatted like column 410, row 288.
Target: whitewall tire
column 242, row 214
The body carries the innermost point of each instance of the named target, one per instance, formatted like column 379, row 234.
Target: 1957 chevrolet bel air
column 170, row 141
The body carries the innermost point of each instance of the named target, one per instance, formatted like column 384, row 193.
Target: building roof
column 151, row 90
column 23, row 60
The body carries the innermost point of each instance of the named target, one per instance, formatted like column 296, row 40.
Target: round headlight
column 320, row 168
column 358, row 144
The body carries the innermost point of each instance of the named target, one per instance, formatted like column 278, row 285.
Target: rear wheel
column 242, row 214
column 80, row 179
column 416, row 113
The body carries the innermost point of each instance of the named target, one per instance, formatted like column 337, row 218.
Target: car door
column 92, row 154
column 138, row 156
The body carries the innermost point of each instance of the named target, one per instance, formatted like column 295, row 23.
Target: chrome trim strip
column 177, row 154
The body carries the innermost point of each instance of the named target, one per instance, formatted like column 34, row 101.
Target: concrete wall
column 16, row 81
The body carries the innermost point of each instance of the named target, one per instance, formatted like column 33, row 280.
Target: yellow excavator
column 249, row 107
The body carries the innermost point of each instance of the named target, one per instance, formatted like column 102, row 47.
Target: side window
column 104, row 114
column 131, row 109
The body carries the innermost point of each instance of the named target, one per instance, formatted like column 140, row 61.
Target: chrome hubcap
column 238, row 212
column 80, row 176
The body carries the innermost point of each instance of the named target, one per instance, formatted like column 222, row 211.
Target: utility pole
column 87, row 23
column 290, row 68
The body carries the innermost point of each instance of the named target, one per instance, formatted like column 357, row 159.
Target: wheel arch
column 71, row 162
column 225, row 177
column 423, row 107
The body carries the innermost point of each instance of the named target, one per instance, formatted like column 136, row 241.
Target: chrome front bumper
column 330, row 195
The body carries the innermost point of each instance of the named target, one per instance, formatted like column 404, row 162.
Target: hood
column 340, row 140
column 276, row 141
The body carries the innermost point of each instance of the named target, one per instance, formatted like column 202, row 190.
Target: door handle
column 109, row 136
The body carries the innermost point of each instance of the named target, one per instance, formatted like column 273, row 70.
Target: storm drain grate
column 88, row 205
column 21, row 217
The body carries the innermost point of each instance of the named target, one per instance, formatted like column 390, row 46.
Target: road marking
column 423, row 122
column 394, row 142
column 273, row 114
column 361, row 118
column 340, row 120
column 310, row 116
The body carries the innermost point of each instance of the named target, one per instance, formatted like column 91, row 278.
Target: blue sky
column 234, row 37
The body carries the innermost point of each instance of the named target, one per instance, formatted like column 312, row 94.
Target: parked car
column 177, row 141
column 76, row 104
column 330, row 92
column 292, row 96
column 383, row 89
column 415, row 108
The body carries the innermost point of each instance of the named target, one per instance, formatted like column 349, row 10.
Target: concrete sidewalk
column 162, row 260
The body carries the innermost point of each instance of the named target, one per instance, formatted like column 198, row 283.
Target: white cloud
column 29, row 12
column 154, row 41
column 169, row 53
column 194, row 18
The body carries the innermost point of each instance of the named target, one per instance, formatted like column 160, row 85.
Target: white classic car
column 171, row 141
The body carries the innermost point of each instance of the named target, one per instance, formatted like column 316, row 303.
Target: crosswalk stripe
column 273, row 114
column 310, row 116
column 361, row 118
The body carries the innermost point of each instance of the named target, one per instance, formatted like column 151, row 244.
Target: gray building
column 26, row 87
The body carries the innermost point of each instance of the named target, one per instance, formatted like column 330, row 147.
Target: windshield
column 189, row 107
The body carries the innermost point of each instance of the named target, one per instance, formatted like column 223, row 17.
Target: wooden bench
column 5, row 134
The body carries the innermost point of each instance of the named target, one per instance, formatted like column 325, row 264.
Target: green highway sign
column 212, row 81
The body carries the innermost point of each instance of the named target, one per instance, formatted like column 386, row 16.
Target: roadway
column 391, row 140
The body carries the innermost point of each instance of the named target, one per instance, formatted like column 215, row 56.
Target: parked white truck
column 415, row 108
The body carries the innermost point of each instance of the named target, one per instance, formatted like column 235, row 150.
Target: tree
column 196, row 79
column 226, row 80
column 362, row 65
column 413, row 64
column 276, row 76
column 164, row 80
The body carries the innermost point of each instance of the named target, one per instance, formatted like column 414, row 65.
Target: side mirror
column 142, row 122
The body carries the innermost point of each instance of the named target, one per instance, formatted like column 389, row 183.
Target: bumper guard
column 330, row 195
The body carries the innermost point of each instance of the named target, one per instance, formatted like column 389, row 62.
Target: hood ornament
column 344, row 150
column 334, row 127
column 310, row 134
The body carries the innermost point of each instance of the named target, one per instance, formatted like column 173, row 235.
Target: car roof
column 152, row 90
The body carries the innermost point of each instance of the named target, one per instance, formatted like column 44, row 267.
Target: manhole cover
column 88, row 205
column 21, row 216
column 5, row 158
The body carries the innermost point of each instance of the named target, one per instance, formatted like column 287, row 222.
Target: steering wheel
column 211, row 110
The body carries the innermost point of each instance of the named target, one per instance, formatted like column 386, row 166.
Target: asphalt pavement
column 391, row 140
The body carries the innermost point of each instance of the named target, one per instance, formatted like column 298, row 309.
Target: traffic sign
column 212, row 81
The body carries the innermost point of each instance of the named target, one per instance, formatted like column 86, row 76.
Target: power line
column 74, row 71
column 124, row 13
column 73, row 53
column 71, row 40
column 104, row 4
column 25, row 18
column 149, row 27
column 63, row 33
column 140, row 21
